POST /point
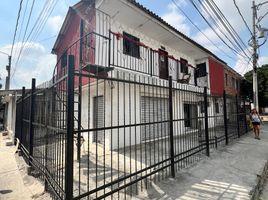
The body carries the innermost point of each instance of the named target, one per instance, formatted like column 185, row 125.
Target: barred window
column 130, row 46
column 184, row 66
column 201, row 70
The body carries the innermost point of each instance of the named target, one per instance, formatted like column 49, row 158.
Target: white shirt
column 255, row 118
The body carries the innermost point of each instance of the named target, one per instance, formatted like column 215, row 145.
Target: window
column 130, row 45
column 184, row 66
column 64, row 60
column 190, row 113
column 237, row 85
column 202, row 106
column 217, row 109
column 233, row 83
column 226, row 79
column 201, row 70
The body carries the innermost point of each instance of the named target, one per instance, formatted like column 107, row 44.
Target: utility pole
column 7, row 86
column 255, row 57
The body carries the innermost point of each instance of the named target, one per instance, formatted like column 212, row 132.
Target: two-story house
column 124, row 40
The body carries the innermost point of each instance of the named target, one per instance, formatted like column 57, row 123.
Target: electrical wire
column 16, row 28
column 37, row 28
column 181, row 10
column 213, row 29
column 21, row 28
column 228, row 26
column 27, row 25
column 241, row 15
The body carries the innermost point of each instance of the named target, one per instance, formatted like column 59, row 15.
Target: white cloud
column 55, row 23
column 36, row 62
column 174, row 18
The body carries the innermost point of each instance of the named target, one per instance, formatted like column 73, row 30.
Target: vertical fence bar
column 225, row 118
column 171, row 128
column 237, row 115
column 78, row 144
column 69, row 148
column 47, row 97
column 245, row 116
column 206, row 120
column 109, row 49
column 151, row 62
column 32, row 108
column 21, row 120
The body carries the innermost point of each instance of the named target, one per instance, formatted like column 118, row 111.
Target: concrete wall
column 11, row 114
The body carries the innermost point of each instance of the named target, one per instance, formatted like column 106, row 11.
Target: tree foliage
column 247, row 84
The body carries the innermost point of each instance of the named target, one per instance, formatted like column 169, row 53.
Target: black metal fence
column 99, row 130
column 116, row 134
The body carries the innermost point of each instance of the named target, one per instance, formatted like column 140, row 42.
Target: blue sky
column 36, row 61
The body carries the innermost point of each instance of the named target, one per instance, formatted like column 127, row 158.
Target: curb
column 261, row 180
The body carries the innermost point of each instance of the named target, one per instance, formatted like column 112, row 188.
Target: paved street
column 230, row 173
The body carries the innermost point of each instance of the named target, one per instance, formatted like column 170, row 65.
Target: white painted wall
column 122, row 107
column 142, row 64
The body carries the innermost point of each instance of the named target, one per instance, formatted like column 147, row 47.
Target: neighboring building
column 122, row 37
column 232, row 81
column 9, row 98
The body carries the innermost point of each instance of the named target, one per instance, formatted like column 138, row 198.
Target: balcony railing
column 103, row 50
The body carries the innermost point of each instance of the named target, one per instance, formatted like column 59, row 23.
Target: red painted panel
column 70, row 40
column 216, row 75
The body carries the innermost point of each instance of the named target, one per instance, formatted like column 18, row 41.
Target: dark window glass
column 202, row 106
column 64, row 59
column 237, row 85
column 184, row 66
column 226, row 79
column 217, row 109
column 201, row 70
column 130, row 45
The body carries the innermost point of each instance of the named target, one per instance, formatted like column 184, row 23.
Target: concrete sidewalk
column 11, row 182
column 229, row 173
column 15, row 184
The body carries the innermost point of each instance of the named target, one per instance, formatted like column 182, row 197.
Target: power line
column 181, row 10
column 37, row 27
column 237, row 8
column 212, row 28
column 16, row 28
column 24, row 35
column 228, row 26
column 21, row 27
column 48, row 38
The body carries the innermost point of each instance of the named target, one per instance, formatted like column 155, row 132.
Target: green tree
column 246, row 86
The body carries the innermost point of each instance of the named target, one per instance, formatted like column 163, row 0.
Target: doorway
column 163, row 64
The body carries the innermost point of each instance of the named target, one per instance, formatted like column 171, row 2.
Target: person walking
column 255, row 120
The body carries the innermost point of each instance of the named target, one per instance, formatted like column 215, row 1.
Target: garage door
column 154, row 110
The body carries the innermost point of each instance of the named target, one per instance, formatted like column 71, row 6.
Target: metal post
column 78, row 144
column 47, row 95
column 22, row 104
column 171, row 138
column 151, row 62
column 225, row 118
column 237, row 116
column 254, row 59
column 69, row 148
column 245, row 116
column 31, row 122
column 206, row 120
column 7, row 86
